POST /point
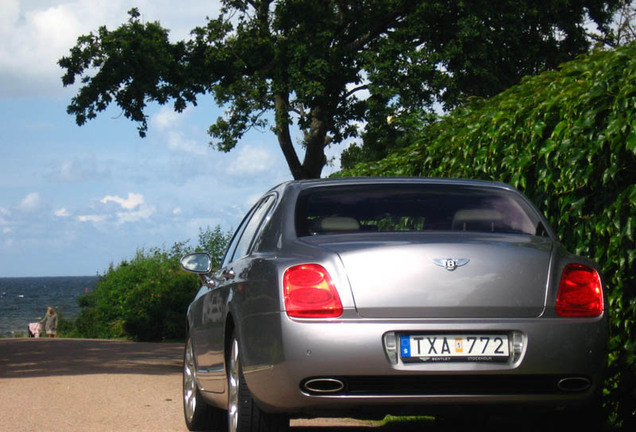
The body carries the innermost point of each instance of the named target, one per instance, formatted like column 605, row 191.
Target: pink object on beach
column 35, row 329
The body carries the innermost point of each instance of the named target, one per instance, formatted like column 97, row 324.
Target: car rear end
column 410, row 297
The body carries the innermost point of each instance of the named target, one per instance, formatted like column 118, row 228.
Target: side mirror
column 198, row 262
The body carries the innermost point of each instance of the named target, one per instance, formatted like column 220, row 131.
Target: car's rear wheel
column 199, row 416
column 244, row 415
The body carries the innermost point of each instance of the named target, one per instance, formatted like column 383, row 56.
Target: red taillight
column 580, row 292
column 310, row 293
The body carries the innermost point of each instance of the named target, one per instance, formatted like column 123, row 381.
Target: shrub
column 146, row 298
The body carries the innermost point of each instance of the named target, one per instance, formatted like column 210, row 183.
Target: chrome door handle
column 208, row 281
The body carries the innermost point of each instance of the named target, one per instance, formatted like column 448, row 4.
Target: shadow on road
column 24, row 358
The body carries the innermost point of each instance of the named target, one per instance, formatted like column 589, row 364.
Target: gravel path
column 79, row 385
column 74, row 385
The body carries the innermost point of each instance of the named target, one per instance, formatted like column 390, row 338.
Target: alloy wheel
column 189, row 384
column 233, row 387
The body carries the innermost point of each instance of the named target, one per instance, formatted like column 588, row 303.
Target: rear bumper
column 281, row 355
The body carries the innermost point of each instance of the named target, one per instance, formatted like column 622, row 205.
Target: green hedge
column 567, row 139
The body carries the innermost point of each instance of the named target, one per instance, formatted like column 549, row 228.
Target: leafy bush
column 567, row 139
column 146, row 298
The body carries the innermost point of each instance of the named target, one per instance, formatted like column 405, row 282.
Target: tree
column 325, row 66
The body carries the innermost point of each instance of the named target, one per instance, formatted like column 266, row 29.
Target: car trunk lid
column 465, row 275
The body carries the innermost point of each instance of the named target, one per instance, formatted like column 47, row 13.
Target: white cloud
column 6, row 228
column 129, row 203
column 252, row 159
column 166, row 118
column 67, row 172
column 177, row 142
column 3, row 212
column 91, row 218
column 144, row 212
column 61, row 213
column 177, row 211
column 10, row 12
column 120, row 217
column 30, row 203
column 136, row 208
column 170, row 124
column 35, row 34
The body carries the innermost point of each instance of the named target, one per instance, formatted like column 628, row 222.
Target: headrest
column 477, row 219
column 339, row 223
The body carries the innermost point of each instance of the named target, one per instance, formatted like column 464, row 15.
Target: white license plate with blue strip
column 454, row 348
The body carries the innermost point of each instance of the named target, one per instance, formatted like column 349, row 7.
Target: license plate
column 454, row 348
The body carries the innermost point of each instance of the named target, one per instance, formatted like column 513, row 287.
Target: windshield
column 408, row 207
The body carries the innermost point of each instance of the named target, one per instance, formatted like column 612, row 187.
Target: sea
column 24, row 300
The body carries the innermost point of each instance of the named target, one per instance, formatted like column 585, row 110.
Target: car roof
column 336, row 181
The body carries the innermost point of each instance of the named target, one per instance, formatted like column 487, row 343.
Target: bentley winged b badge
column 451, row 264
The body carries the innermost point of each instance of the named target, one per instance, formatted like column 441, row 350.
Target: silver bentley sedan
column 363, row 297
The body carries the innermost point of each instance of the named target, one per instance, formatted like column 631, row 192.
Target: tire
column 244, row 415
column 199, row 416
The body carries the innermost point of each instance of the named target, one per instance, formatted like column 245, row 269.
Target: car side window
column 229, row 253
column 244, row 240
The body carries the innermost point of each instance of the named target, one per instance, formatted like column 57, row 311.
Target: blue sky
column 75, row 199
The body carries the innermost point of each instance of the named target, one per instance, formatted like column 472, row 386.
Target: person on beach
column 49, row 322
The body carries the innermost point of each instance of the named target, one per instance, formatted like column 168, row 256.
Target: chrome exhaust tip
column 574, row 384
column 323, row 385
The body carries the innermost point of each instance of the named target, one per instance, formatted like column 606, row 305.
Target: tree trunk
column 315, row 142
column 284, row 137
column 315, row 159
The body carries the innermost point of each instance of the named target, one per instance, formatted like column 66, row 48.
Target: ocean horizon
column 24, row 300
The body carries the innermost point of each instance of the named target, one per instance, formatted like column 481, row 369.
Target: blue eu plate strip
column 405, row 346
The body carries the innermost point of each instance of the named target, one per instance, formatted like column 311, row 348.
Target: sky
column 74, row 200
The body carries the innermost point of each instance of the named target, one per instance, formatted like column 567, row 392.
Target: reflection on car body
column 361, row 297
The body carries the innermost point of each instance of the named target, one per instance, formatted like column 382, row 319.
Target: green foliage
column 567, row 139
column 146, row 298
column 303, row 63
column 65, row 327
column 214, row 242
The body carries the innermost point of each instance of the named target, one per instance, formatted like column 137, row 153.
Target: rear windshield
column 403, row 207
